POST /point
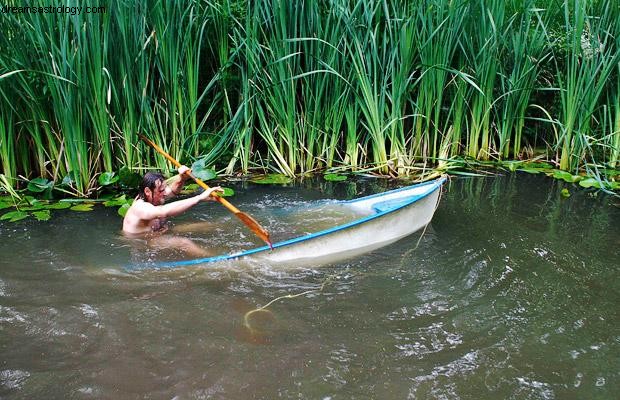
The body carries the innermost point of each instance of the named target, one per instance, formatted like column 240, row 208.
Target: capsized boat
column 387, row 217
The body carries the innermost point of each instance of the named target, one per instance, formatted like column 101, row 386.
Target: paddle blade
column 255, row 227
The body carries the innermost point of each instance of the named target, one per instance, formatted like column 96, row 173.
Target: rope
column 246, row 317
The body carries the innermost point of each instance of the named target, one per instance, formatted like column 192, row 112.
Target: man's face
column 156, row 196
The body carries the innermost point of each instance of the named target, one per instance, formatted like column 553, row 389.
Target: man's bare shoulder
column 134, row 220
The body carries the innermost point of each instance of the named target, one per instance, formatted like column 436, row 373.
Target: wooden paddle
column 245, row 218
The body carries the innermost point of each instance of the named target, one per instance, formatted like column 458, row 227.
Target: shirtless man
column 148, row 212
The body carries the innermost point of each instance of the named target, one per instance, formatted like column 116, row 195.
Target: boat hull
column 390, row 216
column 353, row 241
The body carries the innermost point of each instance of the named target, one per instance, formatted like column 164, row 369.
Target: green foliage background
column 294, row 86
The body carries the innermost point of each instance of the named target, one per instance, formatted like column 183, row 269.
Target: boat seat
column 392, row 204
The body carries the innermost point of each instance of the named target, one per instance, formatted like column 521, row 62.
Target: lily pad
column 537, row 165
column 14, row 216
column 83, row 207
column 201, row 171
column 38, row 185
column 43, row 215
column 590, row 182
column 276, row 179
column 227, row 192
column 118, row 201
column 334, row 177
column 566, row 176
column 58, row 206
column 107, row 178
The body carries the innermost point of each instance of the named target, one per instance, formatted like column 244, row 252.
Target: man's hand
column 184, row 172
column 207, row 194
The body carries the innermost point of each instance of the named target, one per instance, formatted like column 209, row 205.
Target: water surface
column 511, row 292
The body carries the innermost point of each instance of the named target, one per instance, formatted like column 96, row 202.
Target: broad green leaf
column 5, row 205
column 42, row 215
column 14, row 216
column 277, row 179
column 334, row 177
column 38, row 185
column 227, row 192
column 201, row 171
column 118, row 201
column 58, row 206
column 530, row 170
column 511, row 165
column 123, row 209
column 83, row 207
column 566, row 176
column 129, row 178
column 590, row 182
column 107, row 178
column 537, row 165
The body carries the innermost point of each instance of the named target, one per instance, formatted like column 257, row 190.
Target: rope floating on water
column 246, row 317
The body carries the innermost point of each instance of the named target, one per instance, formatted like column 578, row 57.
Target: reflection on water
column 512, row 292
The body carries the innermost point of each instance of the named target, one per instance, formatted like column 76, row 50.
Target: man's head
column 153, row 188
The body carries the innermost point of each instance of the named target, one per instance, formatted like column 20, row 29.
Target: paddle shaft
column 246, row 219
column 197, row 180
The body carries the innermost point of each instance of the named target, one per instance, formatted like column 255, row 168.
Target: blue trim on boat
column 383, row 209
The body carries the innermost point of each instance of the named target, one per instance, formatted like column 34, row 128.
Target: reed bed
column 301, row 86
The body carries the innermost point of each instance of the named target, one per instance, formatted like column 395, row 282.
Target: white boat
column 388, row 217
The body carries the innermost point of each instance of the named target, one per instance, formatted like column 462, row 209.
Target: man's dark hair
column 149, row 181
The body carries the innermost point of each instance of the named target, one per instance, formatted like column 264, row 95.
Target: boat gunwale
column 233, row 256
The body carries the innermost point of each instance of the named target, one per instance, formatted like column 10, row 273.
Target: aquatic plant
column 297, row 87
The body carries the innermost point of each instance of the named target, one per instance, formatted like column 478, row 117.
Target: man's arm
column 149, row 212
column 175, row 184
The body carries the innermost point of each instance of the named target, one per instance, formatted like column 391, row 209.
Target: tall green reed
column 591, row 57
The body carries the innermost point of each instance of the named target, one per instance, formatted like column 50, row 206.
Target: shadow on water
column 511, row 292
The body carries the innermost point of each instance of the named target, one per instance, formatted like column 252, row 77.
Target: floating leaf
column 107, row 178
column 277, row 179
column 537, row 165
column 191, row 188
column 42, row 215
column 227, row 192
column 83, row 207
column 590, row 182
column 566, row 176
column 565, row 192
column 38, row 185
column 77, row 201
column 30, row 200
column 14, row 216
column 58, row 206
column 334, row 177
column 129, row 178
column 530, row 170
column 123, row 209
column 118, row 201
column 201, row 171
